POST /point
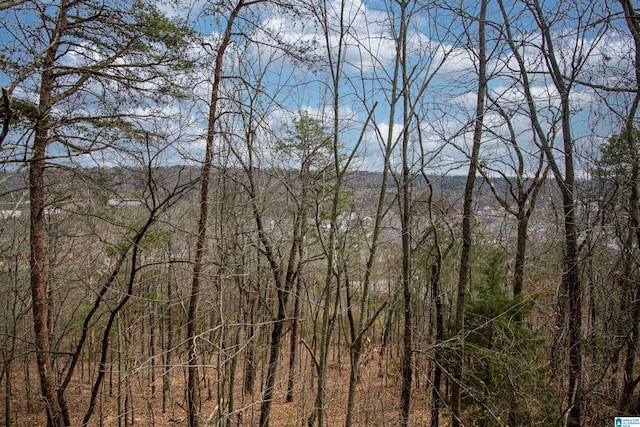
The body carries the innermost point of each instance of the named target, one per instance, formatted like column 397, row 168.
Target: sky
column 441, row 64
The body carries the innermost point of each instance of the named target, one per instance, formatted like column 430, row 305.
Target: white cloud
column 365, row 42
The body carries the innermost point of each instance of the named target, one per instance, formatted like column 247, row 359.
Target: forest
column 319, row 213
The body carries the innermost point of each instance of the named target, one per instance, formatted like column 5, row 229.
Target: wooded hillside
column 255, row 212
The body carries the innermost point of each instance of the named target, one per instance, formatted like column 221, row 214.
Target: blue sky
column 437, row 51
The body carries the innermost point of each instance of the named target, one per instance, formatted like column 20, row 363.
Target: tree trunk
column 232, row 376
column 520, row 257
column 294, row 341
column 249, row 364
column 465, row 257
column 152, row 345
column 436, row 394
column 166, row 374
column 405, row 225
column 274, row 355
column 56, row 412
column 571, row 283
column 283, row 289
column 192, row 382
column 633, row 340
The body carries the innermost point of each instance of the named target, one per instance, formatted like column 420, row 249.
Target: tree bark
column 56, row 411
column 467, row 216
column 405, row 225
column 436, row 394
column 633, row 340
column 284, row 284
column 571, row 282
column 168, row 351
column 294, row 341
column 193, row 382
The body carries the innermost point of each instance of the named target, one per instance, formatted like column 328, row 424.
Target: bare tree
column 467, row 216
column 207, row 163
column 631, row 149
column 332, row 23
column 564, row 68
column 617, row 174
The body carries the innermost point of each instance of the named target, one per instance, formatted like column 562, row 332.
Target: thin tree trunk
column 152, row 345
column 232, row 376
column 630, row 381
column 571, row 282
column 166, row 375
column 467, row 215
column 294, row 341
column 520, row 257
column 335, row 68
column 119, row 393
column 249, row 364
column 436, row 393
column 633, row 340
column 193, row 382
column 405, row 225
column 518, row 280
column 325, row 327
column 274, row 355
column 56, row 411
column 8, row 390
column 301, row 223
column 355, row 353
column 283, row 290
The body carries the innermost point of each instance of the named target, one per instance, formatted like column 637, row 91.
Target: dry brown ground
column 377, row 400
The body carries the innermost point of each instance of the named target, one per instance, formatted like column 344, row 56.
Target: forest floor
column 377, row 399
